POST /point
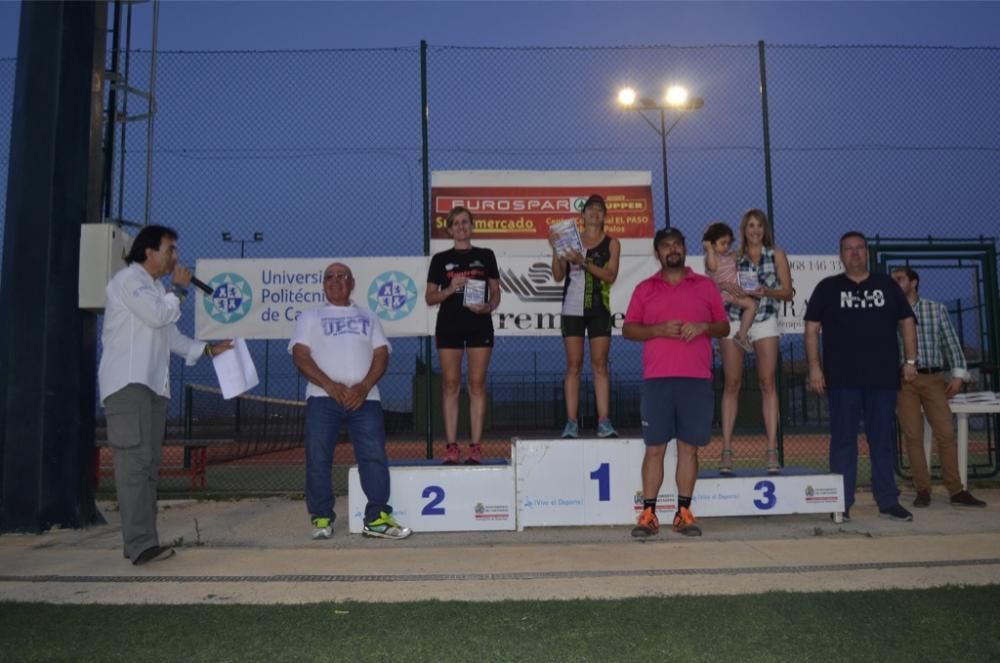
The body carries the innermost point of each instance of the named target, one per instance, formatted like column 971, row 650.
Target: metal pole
column 152, row 112
column 767, row 133
column 109, row 133
column 425, row 172
column 121, row 155
column 663, row 153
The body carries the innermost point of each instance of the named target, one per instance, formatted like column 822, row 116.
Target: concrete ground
column 260, row 551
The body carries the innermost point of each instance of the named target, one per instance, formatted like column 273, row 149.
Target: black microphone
column 201, row 285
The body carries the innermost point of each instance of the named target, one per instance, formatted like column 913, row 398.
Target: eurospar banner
column 262, row 298
column 514, row 209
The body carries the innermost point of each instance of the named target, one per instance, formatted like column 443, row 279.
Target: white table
column 961, row 410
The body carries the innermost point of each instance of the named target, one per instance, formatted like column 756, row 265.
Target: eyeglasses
column 337, row 276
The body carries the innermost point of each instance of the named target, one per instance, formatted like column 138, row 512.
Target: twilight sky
column 282, row 25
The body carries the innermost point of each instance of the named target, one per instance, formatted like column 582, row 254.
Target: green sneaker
column 386, row 527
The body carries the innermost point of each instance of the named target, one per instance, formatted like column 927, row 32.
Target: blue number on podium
column 769, row 498
column 603, row 476
column 432, row 508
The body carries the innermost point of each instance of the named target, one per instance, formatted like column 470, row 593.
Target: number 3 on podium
column 767, row 497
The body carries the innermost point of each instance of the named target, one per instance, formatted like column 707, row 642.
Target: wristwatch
column 911, row 362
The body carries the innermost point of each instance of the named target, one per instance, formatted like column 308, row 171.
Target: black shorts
column 592, row 325
column 464, row 338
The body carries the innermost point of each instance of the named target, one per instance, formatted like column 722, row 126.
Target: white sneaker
column 322, row 528
column 386, row 527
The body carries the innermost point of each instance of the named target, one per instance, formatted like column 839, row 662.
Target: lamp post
column 675, row 99
column 228, row 237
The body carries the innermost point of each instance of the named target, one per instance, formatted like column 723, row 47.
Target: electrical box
column 103, row 247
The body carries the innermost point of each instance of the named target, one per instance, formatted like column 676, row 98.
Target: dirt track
column 259, row 551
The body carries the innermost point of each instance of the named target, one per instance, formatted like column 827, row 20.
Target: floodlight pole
column 663, row 130
column 663, row 154
column 228, row 237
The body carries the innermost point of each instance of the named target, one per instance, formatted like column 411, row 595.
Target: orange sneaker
column 647, row 525
column 684, row 523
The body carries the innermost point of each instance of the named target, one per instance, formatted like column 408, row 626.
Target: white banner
column 532, row 300
column 262, row 298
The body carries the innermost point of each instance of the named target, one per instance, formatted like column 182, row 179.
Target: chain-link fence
column 321, row 152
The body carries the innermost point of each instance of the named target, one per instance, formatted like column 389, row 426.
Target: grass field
column 950, row 624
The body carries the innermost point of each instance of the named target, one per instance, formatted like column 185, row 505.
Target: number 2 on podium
column 432, row 508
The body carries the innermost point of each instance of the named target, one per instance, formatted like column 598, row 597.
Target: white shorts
column 758, row 330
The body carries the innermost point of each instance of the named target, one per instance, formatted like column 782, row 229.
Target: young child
column 720, row 264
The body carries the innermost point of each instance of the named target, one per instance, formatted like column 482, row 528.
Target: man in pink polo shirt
column 675, row 313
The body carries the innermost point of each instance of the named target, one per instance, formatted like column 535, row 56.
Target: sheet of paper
column 235, row 370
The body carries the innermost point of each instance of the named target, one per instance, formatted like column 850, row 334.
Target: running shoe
column 475, row 456
column 322, row 528
column 605, row 429
column 386, row 527
column 572, row 429
column 684, row 523
column 452, row 456
column 647, row 525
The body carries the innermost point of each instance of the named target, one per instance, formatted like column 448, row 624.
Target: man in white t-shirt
column 343, row 353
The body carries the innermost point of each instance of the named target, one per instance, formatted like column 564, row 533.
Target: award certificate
column 748, row 280
column 475, row 292
column 567, row 237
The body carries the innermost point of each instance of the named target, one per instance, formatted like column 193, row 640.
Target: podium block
column 429, row 497
column 767, row 495
column 580, row 482
column 599, row 482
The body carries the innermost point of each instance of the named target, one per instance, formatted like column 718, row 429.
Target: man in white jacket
column 140, row 332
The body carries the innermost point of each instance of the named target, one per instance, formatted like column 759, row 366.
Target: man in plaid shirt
column 937, row 346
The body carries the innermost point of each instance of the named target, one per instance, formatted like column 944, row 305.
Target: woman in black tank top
column 588, row 283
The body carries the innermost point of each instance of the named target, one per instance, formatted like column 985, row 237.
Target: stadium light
column 228, row 237
column 677, row 100
column 626, row 96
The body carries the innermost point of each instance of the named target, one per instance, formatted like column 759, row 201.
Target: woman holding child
column 763, row 278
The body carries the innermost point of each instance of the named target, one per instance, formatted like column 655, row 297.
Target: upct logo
column 392, row 295
column 231, row 298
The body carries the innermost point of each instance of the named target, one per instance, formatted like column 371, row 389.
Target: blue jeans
column 877, row 408
column 366, row 427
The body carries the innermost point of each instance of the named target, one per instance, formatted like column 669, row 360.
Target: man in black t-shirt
column 859, row 314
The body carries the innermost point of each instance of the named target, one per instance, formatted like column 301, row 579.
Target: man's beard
column 674, row 260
